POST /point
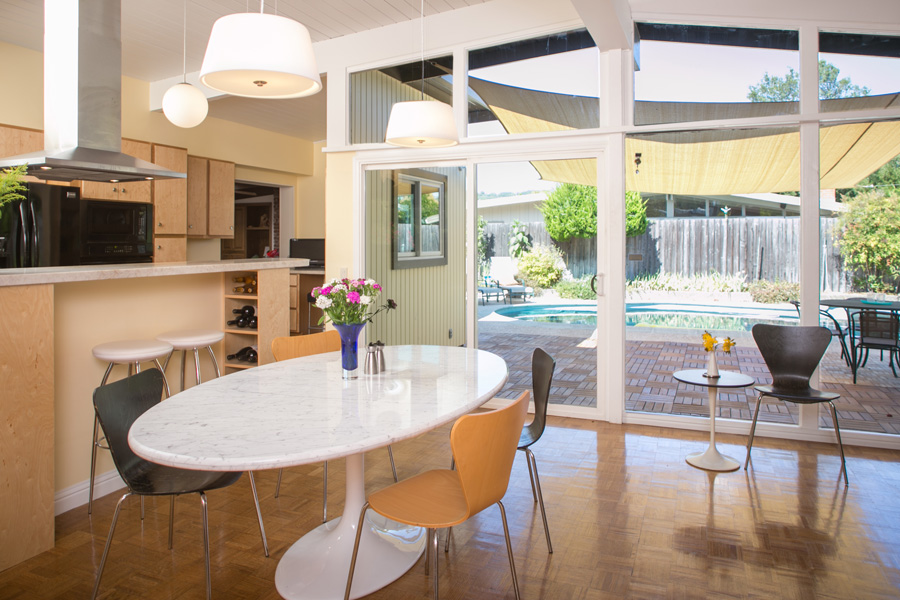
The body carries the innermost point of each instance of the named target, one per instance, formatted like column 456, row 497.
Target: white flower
column 365, row 299
column 340, row 287
column 370, row 282
column 323, row 302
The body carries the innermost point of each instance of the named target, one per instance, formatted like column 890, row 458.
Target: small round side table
column 711, row 459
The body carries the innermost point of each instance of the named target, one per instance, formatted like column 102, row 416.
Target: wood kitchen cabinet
column 18, row 140
column 210, row 198
column 132, row 191
column 169, row 248
column 236, row 247
column 170, row 195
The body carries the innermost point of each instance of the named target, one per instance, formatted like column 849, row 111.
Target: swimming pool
column 654, row 314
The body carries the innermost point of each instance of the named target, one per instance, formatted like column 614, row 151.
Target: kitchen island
column 54, row 316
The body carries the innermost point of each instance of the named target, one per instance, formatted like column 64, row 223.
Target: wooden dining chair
column 117, row 406
column 484, row 446
column 285, row 348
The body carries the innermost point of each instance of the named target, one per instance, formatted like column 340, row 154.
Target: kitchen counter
column 42, row 275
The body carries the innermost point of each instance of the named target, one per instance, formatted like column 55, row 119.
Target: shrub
column 578, row 289
column 870, row 240
column 519, row 240
column 673, row 282
column 772, row 292
column 542, row 266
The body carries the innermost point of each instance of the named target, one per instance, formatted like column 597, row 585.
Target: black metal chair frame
column 792, row 355
column 864, row 325
column 117, row 406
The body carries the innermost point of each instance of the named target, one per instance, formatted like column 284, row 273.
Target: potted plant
column 11, row 186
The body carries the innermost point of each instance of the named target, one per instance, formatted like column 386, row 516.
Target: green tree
column 519, row 240
column 570, row 211
column 870, row 240
column 787, row 89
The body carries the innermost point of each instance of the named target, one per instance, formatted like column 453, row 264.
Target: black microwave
column 116, row 232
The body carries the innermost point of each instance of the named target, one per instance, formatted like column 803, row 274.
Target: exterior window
column 420, row 235
column 858, row 71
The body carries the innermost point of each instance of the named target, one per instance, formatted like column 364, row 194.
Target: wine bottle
column 251, row 356
column 246, row 310
column 251, row 322
column 244, row 289
column 245, row 354
column 241, row 322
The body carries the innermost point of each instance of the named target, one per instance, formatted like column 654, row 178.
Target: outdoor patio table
column 301, row 411
column 517, row 291
column 854, row 304
column 711, row 459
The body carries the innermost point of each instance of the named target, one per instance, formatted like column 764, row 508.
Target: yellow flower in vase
column 727, row 345
column 709, row 342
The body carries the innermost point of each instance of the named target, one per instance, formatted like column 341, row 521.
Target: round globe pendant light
column 183, row 104
column 260, row 56
column 421, row 123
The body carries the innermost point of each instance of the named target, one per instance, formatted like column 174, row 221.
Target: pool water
column 646, row 314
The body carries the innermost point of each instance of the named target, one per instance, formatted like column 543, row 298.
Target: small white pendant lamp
column 183, row 104
column 260, row 56
column 421, row 123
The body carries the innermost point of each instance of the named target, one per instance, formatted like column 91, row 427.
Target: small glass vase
column 712, row 367
column 349, row 333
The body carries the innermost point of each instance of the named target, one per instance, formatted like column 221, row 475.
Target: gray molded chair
column 117, row 406
column 874, row 330
column 792, row 355
column 542, row 367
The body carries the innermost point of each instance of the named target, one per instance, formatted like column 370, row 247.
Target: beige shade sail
column 732, row 161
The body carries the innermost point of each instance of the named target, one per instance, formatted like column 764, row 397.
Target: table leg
column 711, row 459
column 316, row 566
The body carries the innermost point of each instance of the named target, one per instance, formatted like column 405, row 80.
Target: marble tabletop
column 301, row 411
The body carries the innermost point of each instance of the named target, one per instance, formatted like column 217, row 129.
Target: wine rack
column 270, row 300
column 239, row 337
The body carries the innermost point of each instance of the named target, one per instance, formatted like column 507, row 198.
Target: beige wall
column 309, row 218
column 94, row 312
column 341, row 247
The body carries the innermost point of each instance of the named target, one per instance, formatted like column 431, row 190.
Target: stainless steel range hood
column 83, row 98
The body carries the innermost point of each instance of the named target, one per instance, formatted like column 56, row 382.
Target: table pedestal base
column 316, row 566
column 712, row 460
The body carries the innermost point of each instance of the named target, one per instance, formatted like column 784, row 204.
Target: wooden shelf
column 249, row 228
column 239, row 365
column 245, row 331
column 242, row 296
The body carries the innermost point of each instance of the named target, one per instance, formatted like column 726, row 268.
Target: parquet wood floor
column 629, row 519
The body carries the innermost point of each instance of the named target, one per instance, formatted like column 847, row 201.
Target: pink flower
column 376, row 286
column 353, row 297
column 316, row 291
column 325, row 290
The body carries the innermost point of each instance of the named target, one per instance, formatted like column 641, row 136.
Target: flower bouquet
column 710, row 344
column 347, row 304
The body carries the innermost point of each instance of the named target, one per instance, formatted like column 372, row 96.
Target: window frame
column 418, row 258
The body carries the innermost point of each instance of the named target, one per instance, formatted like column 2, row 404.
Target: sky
column 669, row 71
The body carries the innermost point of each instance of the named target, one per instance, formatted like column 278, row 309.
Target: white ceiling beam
column 608, row 21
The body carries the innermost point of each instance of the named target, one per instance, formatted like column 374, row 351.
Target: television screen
column 313, row 249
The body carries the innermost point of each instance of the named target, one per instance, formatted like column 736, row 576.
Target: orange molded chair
column 284, row 348
column 484, row 448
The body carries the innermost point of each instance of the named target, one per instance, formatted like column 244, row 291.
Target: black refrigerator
column 42, row 230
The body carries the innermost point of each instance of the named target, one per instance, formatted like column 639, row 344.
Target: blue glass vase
column 349, row 347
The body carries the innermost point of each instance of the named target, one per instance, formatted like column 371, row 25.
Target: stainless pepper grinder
column 371, row 366
column 379, row 352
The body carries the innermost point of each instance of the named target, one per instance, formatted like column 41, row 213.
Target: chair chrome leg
column 752, row 430
column 429, row 533
column 837, row 431
column 171, row 519
column 142, row 508
column 325, row 492
column 183, row 360
column 393, row 467
column 112, row 529
column 206, row 545
column 359, row 526
column 537, row 480
column 530, row 474
column 215, row 363
column 197, row 366
column 165, row 379
column 447, row 541
column 94, row 445
column 434, row 551
column 278, row 485
column 262, row 529
column 512, row 563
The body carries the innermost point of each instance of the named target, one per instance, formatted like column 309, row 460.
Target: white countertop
column 43, row 275
column 301, row 411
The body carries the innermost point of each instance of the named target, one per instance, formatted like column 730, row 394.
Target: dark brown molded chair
column 542, row 367
column 484, row 446
column 792, row 355
column 118, row 405
column 834, row 327
column 295, row 346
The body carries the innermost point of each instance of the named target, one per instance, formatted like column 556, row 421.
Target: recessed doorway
column 256, row 222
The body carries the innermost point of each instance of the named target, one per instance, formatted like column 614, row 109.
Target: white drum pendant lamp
column 421, row 123
column 183, row 104
column 260, row 56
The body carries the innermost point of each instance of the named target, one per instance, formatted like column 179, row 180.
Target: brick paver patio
column 872, row 404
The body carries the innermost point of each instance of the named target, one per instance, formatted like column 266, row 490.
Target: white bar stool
column 131, row 353
column 193, row 340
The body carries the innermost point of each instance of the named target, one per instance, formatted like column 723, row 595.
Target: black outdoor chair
column 792, row 355
column 874, row 330
column 542, row 367
column 835, row 328
column 118, row 405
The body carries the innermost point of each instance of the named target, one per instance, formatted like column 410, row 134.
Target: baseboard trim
column 77, row 495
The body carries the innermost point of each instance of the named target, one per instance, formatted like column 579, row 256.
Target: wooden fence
column 756, row 248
